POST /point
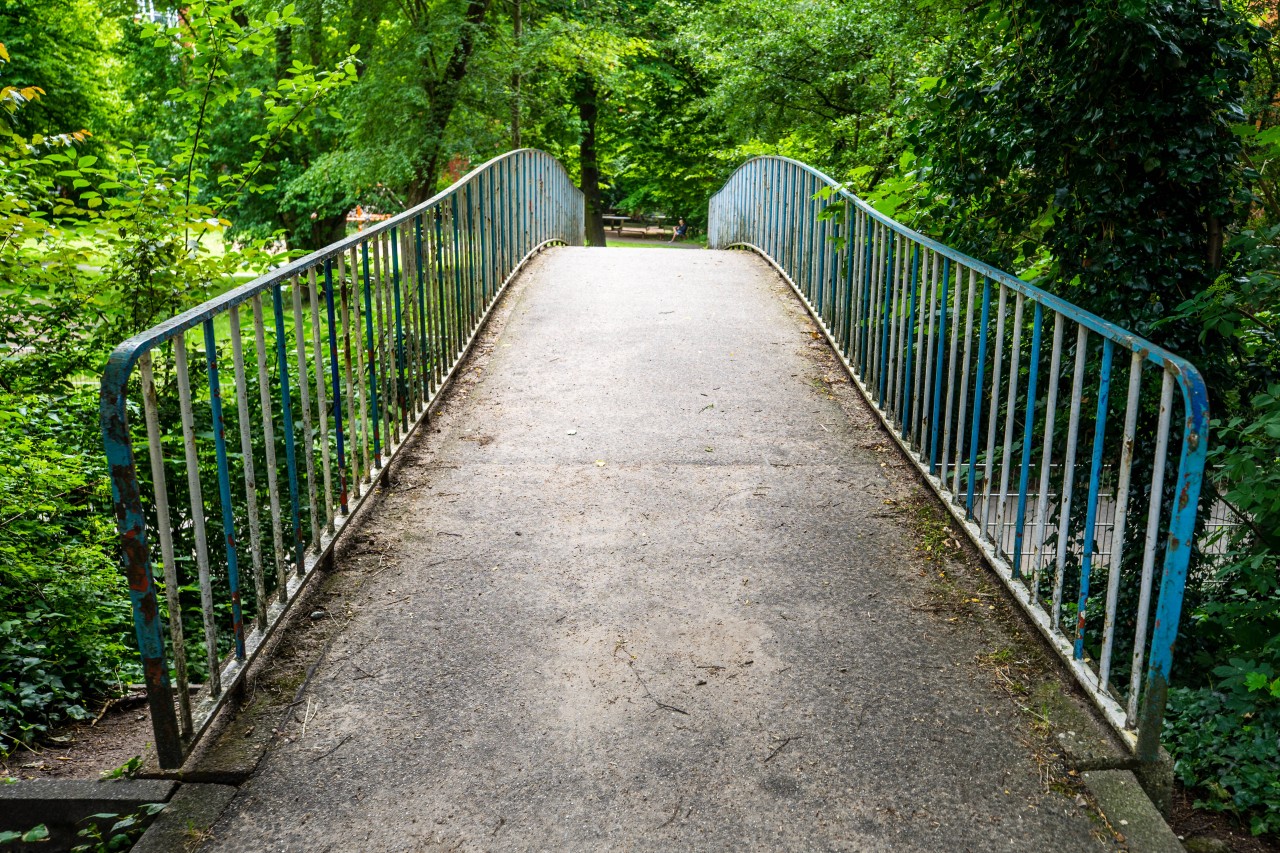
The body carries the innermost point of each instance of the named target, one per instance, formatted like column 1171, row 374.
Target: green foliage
column 1035, row 133
column 819, row 81
column 1228, row 739
column 94, row 249
column 37, row 833
column 125, row 771
column 1100, row 148
column 65, row 46
column 121, row 833
column 65, row 619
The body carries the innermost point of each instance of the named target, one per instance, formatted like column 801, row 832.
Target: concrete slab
column 643, row 587
column 63, row 804
column 1131, row 812
column 184, row 824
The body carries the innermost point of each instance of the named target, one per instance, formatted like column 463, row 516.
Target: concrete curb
column 63, row 804
column 184, row 824
column 1131, row 812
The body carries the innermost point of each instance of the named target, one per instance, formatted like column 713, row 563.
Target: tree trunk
column 442, row 96
column 588, row 106
column 311, row 234
column 515, row 76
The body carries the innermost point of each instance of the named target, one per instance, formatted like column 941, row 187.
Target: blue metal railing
column 927, row 335
column 351, row 345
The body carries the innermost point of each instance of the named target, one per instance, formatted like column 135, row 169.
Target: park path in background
column 647, row 583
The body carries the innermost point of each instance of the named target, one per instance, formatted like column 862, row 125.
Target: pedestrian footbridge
column 638, row 533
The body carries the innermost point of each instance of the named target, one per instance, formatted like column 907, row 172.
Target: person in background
column 682, row 229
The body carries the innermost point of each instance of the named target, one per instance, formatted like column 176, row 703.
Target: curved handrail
column 240, row 294
column 412, row 292
column 881, row 295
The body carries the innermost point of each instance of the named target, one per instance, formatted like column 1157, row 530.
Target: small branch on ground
column 333, row 749
column 779, row 748
column 647, row 692
column 675, row 813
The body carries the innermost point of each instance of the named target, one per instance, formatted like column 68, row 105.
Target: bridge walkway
column 651, row 582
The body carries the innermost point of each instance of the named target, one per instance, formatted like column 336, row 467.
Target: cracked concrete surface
column 643, row 586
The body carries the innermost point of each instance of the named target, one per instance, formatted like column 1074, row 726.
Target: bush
column 65, row 618
column 1226, row 742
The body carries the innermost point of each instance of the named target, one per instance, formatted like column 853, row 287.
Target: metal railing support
column 926, row 334
column 410, row 332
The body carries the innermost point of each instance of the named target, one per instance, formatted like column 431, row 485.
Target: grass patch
column 641, row 244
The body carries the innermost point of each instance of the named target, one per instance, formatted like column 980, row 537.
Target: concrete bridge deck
column 651, row 582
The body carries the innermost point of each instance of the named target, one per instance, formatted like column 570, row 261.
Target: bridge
column 639, row 548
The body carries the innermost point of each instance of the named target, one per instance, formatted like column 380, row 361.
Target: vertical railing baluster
column 391, row 406
column 196, row 494
column 402, row 389
column 939, row 366
column 164, row 529
column 964, row 381
column 864, row 300
column 337, row 390
column 1095, row 480
column 1069, row 469
column 984, row 325
column 350, row 320
column 224, row 485
column 875, row 296
column 371, row 358
column 246, row 453
column 1015, row 365
column 1120, row 517
column 909, row 380
column 894, row 329
column 455, row 246
column 317, row 359
column 304, row 397
column 269, row 447
column 423, row 319
column 1029, row 415
column 444, row 346
column 410, row 360
column 1150, row 545
column 993, row 416
column 850, row 266
column 1046, row 452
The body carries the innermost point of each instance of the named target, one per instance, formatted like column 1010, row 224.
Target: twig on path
column 118, row 702
column 726, row 497
column 501, row 823
column 333, row 749
column 662, row 705
column 675, row 813
column 306, row 718
column 779, row 748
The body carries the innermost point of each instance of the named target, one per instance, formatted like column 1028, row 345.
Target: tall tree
column 587, row 97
